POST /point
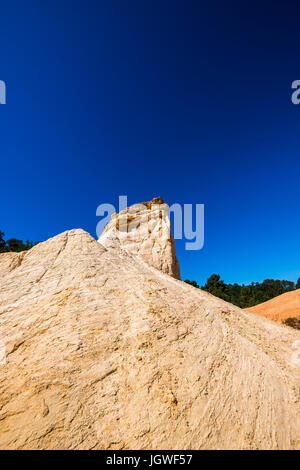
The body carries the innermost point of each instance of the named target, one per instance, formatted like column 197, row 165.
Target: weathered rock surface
column 102, row 351
column 280, row 308
column 144, row 230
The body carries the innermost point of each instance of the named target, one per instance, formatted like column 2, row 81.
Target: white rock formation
column 144, row 230
column 103, row 351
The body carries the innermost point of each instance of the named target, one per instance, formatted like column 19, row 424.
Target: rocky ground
column 100, row 350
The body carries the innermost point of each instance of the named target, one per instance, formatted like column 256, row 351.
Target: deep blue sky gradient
column 187, row 100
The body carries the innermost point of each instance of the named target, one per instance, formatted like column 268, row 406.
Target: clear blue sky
column 187, row 100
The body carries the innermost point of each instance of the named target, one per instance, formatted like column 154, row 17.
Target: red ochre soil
column 280, row 308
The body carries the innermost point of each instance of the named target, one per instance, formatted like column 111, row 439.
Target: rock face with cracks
column 100, row 350
column 144, row 230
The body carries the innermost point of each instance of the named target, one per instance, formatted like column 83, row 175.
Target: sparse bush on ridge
column 293, row 322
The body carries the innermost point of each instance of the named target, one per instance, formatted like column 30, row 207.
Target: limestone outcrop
column 100, row 350
column 144, row 230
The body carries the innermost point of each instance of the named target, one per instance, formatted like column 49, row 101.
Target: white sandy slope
column 103, row 351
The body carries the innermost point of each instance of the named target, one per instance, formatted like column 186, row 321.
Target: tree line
column 13, row 244
column 245, row 296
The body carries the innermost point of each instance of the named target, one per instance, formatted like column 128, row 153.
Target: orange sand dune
column 281, row 307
